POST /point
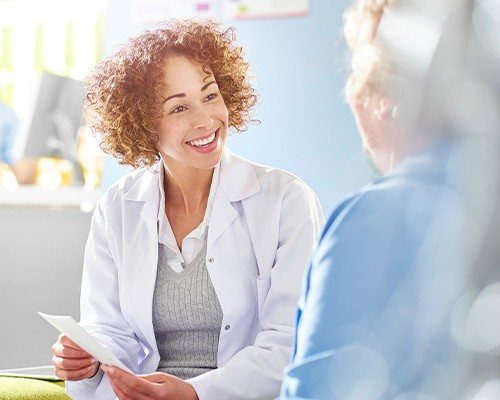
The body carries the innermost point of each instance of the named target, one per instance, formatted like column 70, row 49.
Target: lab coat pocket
column 261, row 286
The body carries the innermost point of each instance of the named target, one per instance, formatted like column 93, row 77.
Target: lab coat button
column 211, row 260
column 227, row 327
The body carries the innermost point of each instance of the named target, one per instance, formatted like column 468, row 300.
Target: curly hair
column 124, row 101
column 368, row 61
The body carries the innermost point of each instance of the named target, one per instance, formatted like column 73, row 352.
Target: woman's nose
column 201, row 118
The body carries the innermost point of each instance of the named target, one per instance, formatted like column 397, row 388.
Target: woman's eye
column 179, row 109
column 211, row 96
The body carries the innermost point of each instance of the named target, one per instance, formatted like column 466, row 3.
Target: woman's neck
column 187, row 188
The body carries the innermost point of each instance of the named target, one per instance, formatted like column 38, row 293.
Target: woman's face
column 193, row 129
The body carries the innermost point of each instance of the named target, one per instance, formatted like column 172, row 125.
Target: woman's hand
column 148, row 387
column 71, row 362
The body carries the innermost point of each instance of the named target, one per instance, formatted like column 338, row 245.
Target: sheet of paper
column 77, row 334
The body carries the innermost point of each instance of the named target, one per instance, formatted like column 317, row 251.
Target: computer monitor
column 51, row 126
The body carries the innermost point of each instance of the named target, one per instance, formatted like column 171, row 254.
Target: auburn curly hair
column 124, row 101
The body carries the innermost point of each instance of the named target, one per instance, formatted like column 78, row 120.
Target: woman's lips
column 206, row 144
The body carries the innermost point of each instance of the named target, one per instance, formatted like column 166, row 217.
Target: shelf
column 34, row 196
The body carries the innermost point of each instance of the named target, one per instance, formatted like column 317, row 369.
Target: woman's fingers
column 67, row 342
column 157, row 377
column 130, row 386
column 127, row 393
column 76, row 375
column 65, row 347
column 71, row 362
column 61, row 350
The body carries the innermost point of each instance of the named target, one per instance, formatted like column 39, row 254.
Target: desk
column 41, row 257
column 69, row 196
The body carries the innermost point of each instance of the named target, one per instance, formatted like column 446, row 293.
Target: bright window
column 60, row 36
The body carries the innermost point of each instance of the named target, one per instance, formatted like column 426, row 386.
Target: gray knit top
column 187, row 317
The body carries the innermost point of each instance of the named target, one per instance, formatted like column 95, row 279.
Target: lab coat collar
column 237, row 179
column 145, row 188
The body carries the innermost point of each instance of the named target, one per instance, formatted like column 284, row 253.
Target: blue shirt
column 373, row 318
column 8, row 124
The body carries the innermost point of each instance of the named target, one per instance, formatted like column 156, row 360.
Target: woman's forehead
column 182, row 73
column 181, row 65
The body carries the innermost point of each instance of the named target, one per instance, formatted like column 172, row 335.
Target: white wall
column 41, row 253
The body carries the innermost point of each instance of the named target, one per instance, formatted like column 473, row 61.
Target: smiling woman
column 193, row 264
column 126, row 93
column 193, row 100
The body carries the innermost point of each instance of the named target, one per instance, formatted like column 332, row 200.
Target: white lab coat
column 263, row 226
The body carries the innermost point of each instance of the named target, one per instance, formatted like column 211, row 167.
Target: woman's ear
column 385, row 110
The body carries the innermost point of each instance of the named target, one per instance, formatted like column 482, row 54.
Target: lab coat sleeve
column 255, row 372
column 101, row 314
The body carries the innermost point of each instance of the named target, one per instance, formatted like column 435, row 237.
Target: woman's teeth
column 203, row 142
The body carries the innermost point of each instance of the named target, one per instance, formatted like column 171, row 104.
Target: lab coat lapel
column 237, row 182
column 223, row 214
column 143, row 265
column 145, row 195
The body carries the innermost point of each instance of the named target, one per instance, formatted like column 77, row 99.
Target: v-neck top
column 187, row 317
column 194, row 240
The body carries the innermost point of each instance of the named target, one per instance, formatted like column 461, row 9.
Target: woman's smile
column 205, row 144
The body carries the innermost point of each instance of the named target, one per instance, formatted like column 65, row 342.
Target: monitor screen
column 51, row 126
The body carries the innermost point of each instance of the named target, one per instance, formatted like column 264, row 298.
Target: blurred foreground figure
column 400, row 300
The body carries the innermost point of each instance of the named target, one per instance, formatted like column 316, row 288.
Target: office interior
column 299, row 64
column 57, row 173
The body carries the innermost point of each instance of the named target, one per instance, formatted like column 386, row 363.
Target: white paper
column 77, row 334
column 242, row 9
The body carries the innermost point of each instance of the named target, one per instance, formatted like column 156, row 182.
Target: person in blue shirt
column 376, row 312
column 8, row 124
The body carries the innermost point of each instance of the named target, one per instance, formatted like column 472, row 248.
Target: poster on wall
column 151, row 12
column 246, row 9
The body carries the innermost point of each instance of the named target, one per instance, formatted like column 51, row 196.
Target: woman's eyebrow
column 184, row 94
column 175, row 95
column 207, row 85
